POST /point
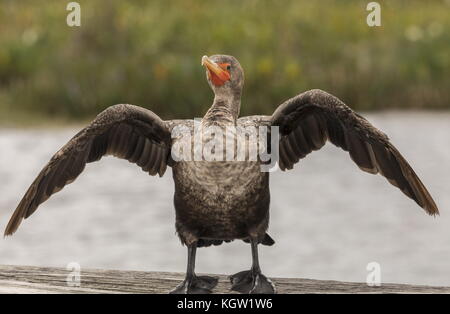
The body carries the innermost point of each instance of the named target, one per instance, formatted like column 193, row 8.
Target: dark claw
column 251, row 282
column 196, row 285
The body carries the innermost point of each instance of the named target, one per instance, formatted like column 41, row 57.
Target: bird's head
column 224, row 75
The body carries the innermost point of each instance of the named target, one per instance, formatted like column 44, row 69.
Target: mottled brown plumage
column 224, row 200
column 308, row 120
column 125, row 131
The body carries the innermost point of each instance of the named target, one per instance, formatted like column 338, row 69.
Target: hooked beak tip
column 204, row 60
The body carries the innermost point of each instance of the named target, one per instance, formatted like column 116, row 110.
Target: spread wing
column 308, row 120
column 125, row 131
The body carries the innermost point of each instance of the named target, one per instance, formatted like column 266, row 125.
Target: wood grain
column 28, row 279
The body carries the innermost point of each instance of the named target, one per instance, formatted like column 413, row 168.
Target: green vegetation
column 148, row 53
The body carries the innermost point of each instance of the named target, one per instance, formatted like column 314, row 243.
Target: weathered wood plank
column 27, row 279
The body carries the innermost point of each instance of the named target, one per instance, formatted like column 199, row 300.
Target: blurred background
column 328, row 218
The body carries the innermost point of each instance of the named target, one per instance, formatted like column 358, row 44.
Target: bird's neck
column 224, row 111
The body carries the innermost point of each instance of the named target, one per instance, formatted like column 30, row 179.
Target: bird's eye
column 228, row 67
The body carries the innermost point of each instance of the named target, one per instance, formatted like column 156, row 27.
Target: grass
column 148, row 53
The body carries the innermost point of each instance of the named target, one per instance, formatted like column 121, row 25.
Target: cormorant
column 217, row 201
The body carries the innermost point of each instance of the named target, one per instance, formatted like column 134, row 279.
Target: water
column 328, row 218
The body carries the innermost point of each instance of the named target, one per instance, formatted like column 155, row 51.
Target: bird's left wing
column 125, row 131
column 308, row 120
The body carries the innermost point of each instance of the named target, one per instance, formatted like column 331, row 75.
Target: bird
column 218, row 201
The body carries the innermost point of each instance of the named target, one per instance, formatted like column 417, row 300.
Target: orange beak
column 215, row 73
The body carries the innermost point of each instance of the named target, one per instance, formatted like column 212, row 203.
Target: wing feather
column 309, row 119
column 125, row 131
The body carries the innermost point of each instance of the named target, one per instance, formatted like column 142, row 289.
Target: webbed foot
column 196, row 285
column 251, row 282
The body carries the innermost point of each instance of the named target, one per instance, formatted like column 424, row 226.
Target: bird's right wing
column 125, row 131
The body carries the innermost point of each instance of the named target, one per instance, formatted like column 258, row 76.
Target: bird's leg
column 192, row 283
column 252, row 281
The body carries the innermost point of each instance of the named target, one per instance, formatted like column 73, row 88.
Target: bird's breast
column 221, row 200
